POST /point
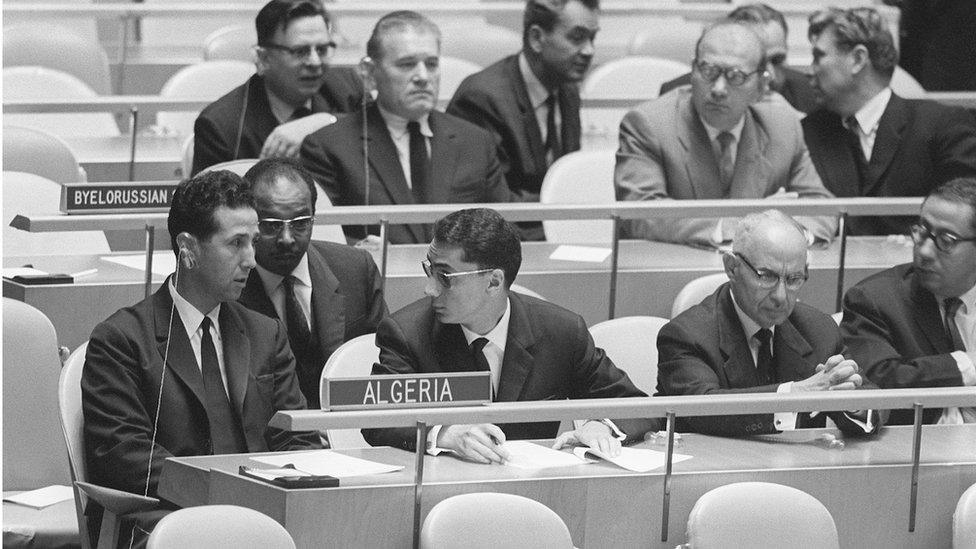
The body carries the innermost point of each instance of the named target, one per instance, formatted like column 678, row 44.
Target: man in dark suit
column 189, row 371
column 752, row 336
column 770, row 24
column 867, row 141
column 470, row 320
column 416, row 155
column 325, row 293
column 914, row 325
column 292, row 94
column 530, row 101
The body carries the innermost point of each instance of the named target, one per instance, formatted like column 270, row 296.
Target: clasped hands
column 836, row 374
column 485, row 442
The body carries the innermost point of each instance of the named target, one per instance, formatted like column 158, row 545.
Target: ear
column 536, row 35
column 728, row 261
column 860, row 59
column 496, row 280
column 260, row 56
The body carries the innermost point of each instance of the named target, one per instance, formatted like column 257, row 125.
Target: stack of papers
column 42, row 497
column 633, row 459
column 528, row 455
column 327, row 462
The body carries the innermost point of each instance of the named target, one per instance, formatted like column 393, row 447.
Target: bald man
column 751, row 336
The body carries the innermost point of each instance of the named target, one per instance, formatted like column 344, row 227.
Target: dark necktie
column 952, row 305
column 296, row 323
column 553, row 146
column 418, row 162
column 765, row 368
column 300, row 112
column 854, row 143
column 225, row 433
column 480, row 360
column 726, row 164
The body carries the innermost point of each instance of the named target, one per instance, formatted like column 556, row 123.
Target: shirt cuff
column 966, row 367
column 785, row 421
column 432, row 448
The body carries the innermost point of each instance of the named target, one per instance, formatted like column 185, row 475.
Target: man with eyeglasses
column 716, row 140
column 325, row 293
column 471, row 321
column 752, row 336
column 292, row 94
column 865, row 140
column 914, row 325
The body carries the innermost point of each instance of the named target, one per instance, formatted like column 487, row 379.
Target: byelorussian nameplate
column 407, row 391
column 129, row 197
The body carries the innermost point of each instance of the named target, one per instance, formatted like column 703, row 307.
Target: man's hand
column 593, row 434
column 837, row 374
column 482, row 443
column 286, row 139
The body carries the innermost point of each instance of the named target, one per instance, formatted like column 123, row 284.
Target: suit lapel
column 255, row 298
column 830, row 152
column 178, row 357
column 887, row 142
column 750, row 177
column 328, row 304
column 444, row 157
column 237, row 356
column 738, row 365
column 518, row 361
column 927, row 316
column 385, row 161
column 569, row 107
column 791, row 352
column 699, row 161
column 528, row 120
column 451, row 352
column 262, row 120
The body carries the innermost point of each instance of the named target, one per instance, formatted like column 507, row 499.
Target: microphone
column 363, row 63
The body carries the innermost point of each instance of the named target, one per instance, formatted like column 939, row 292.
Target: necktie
column 952, row 305
column 480, row 361
column 726, row 164
column 300, row 112
column 418, row 162
column 225, row 433
column 296, row 323
column 765, row 368
column 553, row 147
column 853, row 135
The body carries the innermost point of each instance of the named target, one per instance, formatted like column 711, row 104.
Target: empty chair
column 453, row 71
column 34, row 151
column 60, row 48
column 353, row 358
column 234, row 42
column 695, row 291
column 479, row 43
column 964, row 521
column 631, row 343
column 525, row 291
column 219, row 526
column 206, row 80
column 239, row 166
column 581, row 177
column 905, row 85
column 33, row 83
column 490, row 520
column 760, row 514
column 631, row 77
column 670, row 38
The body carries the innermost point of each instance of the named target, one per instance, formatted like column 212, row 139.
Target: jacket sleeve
column 396, row 357
column 209, row 145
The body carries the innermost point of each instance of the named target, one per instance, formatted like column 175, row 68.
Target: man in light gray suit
column 716, row 140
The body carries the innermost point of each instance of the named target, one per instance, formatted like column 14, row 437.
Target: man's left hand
column 286, row 139
column 593, row 434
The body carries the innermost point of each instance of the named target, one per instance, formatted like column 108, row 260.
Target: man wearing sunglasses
column 752, row 336
column 471, row 321
column 292, row 94
column 914, row 325
column 324, row 293
column 716, row 140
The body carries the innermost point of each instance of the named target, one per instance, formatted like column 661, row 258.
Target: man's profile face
column 831, row 70
column 280, row 246
column 953, row 273
column 774, row 42
column 567, row 50
column 718, row 102
column 465, row 299
column 767, row 306
column 226, row 258
column 295, row 78
column 408, row 75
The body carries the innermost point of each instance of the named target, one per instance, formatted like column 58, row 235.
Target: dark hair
column 726, row 22
column 398, row 21
column 269, row 170
column 863, row 26
column 278, row 14
column 195, row 201
column 487, row 239
column 545, row 14
column 760, row 14
column 961, row 190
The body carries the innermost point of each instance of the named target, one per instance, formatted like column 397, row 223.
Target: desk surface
column 866, row 487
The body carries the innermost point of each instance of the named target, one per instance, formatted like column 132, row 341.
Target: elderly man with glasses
column 914, row 325
column 716, row 139
column 472, row 321
column 752, row 336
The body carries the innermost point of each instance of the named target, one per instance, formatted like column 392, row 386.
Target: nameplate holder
column 407, row 391
column 128, row 197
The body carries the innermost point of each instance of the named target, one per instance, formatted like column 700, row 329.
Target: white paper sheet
column 10, row 272
column 586, row 254
column 164, row 263
column 43, row 497
column 327, row 462
column 527, row 455
column 638, row 460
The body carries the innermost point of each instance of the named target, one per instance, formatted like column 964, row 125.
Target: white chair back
column 234, row 42
column 478, row 42
column 499, row 521
column 631, row 343
column 353, row 358
column 632, row 76
column 57, row 47
column 73, row 427
column 453, row 71
column 518, row 288
column 667, row 37
column 219, row 526
column 31, row 83
column 964, row 521
column 38, row 152
column 695, row 291
column 581, row 177
column 205, row 80
column 905, row 85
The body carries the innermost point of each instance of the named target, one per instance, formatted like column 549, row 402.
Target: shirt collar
column 749, row 326
column 869, row 116
column 272, row 281
column 498, row 335
column 190, row 315
column 398, row 124
column 969, row 300
column 538, row 94
column 736, row 130
column 281, row 110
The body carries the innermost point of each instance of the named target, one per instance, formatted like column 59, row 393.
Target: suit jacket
column 796, row 89
column 894, row 330
column 665, row 152
column 215, row 130
column 124, row 369
column 347, row 301
column 549, row 355
column 496, row 99
column 464, row 168
column 919, row 145
column 704, row 350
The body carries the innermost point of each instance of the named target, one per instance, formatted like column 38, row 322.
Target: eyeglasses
column 324, row 51
column 945, row 241
column 270, row 226
column 734, row 77
column 768, row 279
column 444, row 279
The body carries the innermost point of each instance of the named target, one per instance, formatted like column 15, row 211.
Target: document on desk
column 42, row 497
column 327, row 462
column 585, row 254
column 164, row 263
column 528, row 455
column 638, row 460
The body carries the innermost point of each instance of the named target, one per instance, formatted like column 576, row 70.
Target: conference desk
column 650, row 275
column 107, row 158
column 865, row 486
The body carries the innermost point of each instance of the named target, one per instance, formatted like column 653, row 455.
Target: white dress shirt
column 965, row 360
column 397, row 126
column 192, row 319
column 538, row 95
column 274, row 287
column 869, row 118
